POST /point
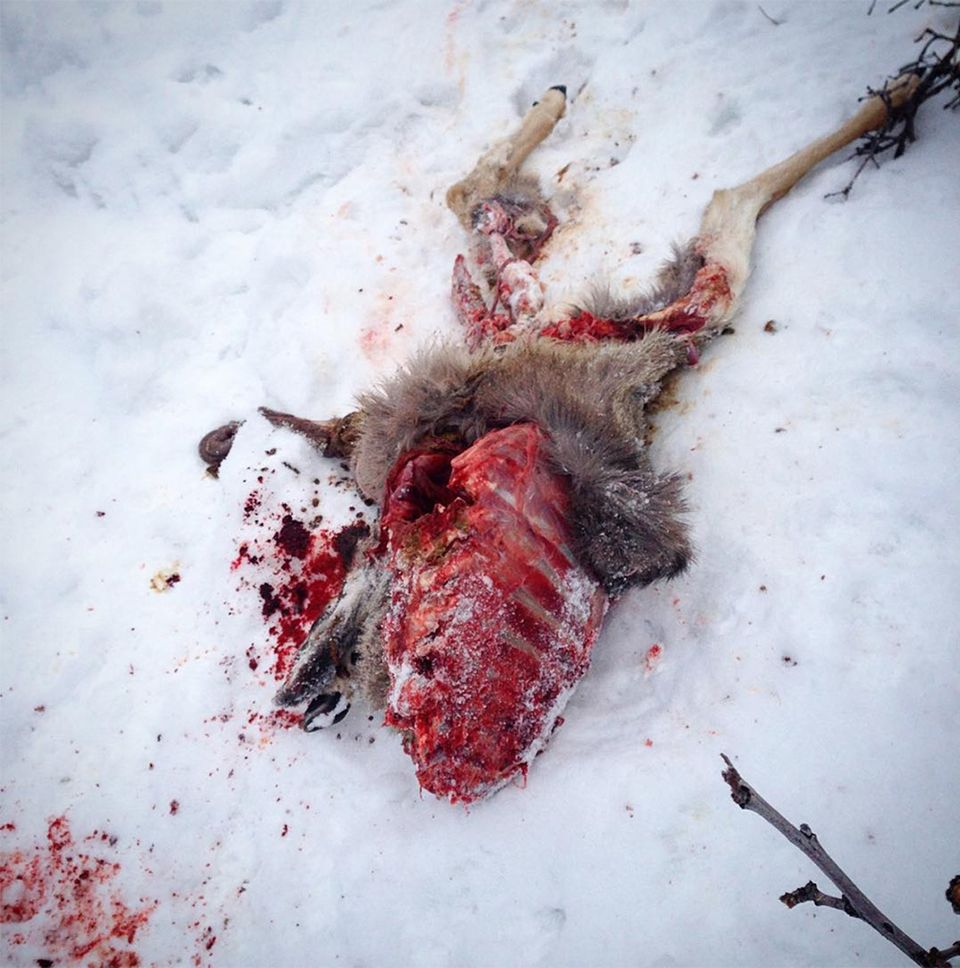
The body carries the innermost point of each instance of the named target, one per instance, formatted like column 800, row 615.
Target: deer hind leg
column 510, row 222
column 715, row 266
column 728, row 227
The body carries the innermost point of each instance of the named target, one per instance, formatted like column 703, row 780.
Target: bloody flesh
column 491, row 620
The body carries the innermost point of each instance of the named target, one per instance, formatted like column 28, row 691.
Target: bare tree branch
column 937, row 69
column 852, row 900
column 810, row 892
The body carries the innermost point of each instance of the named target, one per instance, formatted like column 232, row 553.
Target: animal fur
column 589, row 399
column 672, row 283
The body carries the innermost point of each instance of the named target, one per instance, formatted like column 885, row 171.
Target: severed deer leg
column 724, row 244
column 728, row 228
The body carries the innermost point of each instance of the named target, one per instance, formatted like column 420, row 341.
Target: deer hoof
column 326, row 710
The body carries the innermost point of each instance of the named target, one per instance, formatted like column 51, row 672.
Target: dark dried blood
column 299, row 571
column 293, row 537
column 492, row 620
column 62, row 900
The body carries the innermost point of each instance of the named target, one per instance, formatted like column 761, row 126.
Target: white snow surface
column 212, row 206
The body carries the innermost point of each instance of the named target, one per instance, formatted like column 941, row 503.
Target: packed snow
column 208, row 207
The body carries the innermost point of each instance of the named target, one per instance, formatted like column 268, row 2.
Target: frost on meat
column 491, row 619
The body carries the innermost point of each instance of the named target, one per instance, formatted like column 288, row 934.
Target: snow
column 208, row 207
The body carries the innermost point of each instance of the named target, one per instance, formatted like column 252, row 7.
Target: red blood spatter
column 652, row 657
column 251, row 505
column 63, row 897
column 295, row 573
column 492, row 621
column 311, row 577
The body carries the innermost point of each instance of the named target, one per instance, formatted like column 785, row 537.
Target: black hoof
column 326, row 710
column 562, row 88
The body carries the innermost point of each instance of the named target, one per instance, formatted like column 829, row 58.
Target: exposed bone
column 504, row 158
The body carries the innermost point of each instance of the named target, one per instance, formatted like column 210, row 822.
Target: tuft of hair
column 344, row 651
column 369, row 671
column 431, row 395
column 521, row 189
column 673, row 281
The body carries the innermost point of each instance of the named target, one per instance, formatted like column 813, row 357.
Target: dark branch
column 852, row 900
column 776, row 23
column 937, row 68
column 810, row 892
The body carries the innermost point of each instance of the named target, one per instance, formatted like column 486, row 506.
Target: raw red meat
column 491, row 621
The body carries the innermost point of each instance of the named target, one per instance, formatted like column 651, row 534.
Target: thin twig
column 852, row 899
column 776, row 23
column 937, row 69
column 810, row 892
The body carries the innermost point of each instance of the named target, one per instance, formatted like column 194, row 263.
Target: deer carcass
column 516, row 497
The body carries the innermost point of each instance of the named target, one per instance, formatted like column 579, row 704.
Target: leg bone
column 504, row 159
column 728, row 227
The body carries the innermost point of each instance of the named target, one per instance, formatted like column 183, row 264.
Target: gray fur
column 673, row 281
column 588, row 399
column 369, row 673
column 521, row 189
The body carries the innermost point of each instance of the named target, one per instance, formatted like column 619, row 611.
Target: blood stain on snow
column 375, row 341
column 293, row 537
column 62, row 896
column 295, row 570
column 652, row 658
